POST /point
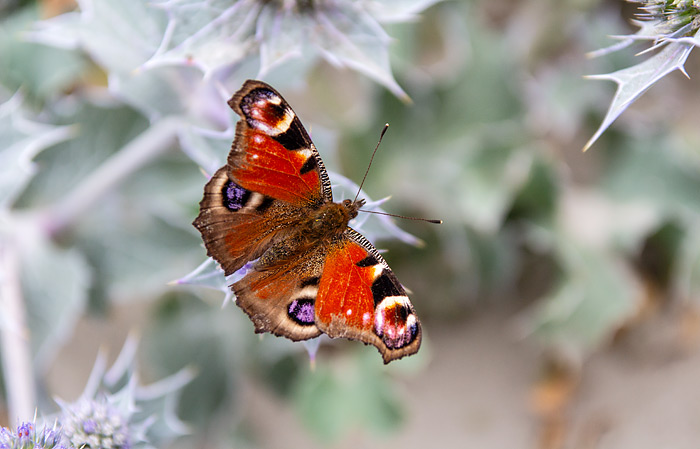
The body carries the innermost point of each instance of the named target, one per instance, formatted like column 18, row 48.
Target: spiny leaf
column 20, row 141
column 207, row 34
column 634, row 81
column 214, row 34
column 120, row 36
column 359, row 42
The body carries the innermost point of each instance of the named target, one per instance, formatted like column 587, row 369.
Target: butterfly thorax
column 321, row 224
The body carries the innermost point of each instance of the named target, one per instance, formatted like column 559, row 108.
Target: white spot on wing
column 377, row 271
column 306, row 152
column 274, row 99
column 286, row 121
column 393, row 301
column 274, row 129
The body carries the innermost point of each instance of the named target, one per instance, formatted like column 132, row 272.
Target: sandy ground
column 479, row 390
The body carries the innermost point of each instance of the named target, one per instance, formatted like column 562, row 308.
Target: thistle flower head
column 95, row 424
column 212, row 34
column 26, row 437
column 115, row 412
column 672, row 18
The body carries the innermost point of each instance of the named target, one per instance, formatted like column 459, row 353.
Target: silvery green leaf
column 92, row 144
column 393, row 11
column 285, row 38
column 20, row 141
column 210, row 275
column 120, row 36
column 207, row 34
column 135, row 251
column 214, row 34
column 178, row 91
column 206, row 149
column 647, row 32
column 634, row 81
column 352, row 37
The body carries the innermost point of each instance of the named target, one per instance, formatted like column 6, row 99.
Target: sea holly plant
column 214, row 34
column 27, row 436
column 116, row 412
column 96, row 201
column 219, row 37
column 113, row 412
column 673, row 29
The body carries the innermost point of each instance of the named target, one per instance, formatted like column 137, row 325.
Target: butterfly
column 271, row 207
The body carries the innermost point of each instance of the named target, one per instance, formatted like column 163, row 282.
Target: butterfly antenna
column 381, row 136
column 402, row 216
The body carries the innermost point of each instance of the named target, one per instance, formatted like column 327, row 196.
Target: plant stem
column 14, row 336
column 150, row 144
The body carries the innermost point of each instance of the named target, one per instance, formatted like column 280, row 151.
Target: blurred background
column 559, row 298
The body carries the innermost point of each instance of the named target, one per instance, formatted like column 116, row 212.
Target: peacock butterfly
column 311, row 273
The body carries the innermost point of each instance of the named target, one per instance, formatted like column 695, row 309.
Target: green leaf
column 596, row 294
column 686, row 279
column 666, row 181
column 285, row 38
column 356, row 395
column 634, row 81
column 187, row 332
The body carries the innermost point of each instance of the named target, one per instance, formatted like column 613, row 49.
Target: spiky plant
column 673, row 29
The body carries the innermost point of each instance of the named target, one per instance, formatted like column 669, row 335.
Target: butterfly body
column 272, row 206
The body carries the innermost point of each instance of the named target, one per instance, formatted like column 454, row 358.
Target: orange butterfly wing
column 272, row 204
column 360, row 298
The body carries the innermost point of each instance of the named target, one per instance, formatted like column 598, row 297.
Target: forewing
column 273, row 177
column 272, row 154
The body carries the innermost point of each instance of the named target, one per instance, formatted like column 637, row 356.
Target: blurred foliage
column 491, row 145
